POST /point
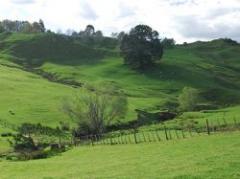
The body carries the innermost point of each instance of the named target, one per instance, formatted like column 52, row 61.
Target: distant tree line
column 92, row 37
column 22, row 26
column 89, row 36
column 229, row 41
column 140, row 48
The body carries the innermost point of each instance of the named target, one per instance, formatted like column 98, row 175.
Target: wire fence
column 134, row 136
column 158, row 135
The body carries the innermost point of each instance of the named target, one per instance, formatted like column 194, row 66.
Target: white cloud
column 184, row 20
column 203, row 29
column 22, row 2
column 88, row 12
column 125, row 10
column 181, row 2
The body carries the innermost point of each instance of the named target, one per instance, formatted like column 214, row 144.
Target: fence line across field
column 164, row 134
column 136, row 137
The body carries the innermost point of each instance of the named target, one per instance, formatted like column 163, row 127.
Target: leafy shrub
column 94, row 112
column 64, row 126
column 188, row 99
column 23, row 143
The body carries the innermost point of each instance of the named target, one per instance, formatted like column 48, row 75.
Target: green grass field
column 211, row 67
column 30, row 98
column 216, row 156
column 4, row 145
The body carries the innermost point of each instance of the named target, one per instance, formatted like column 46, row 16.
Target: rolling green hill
column 30, row 64
column 38, row 72
column 29, row 98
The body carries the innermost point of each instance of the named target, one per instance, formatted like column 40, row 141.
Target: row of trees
column 22, row 26
column 92, row 37
column 141, row 47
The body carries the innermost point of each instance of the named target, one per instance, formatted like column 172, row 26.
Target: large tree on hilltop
column 90, row 30
column 141, row 47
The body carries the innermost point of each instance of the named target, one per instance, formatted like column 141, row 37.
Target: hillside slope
column 26, row 97
column 212, row 67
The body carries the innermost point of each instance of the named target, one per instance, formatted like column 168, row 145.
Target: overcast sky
column 184, row 20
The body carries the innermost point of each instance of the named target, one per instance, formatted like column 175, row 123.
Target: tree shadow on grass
column 184, row 75
column 55, row 49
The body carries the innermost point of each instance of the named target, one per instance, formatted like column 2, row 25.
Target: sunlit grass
column 215, row 156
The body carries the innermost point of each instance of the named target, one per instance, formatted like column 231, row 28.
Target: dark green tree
column 1, row 28
column 141, row 48
column 168, row 43
column 90, row 30
column 98, row 36
column 120, row 36
column 42, row 26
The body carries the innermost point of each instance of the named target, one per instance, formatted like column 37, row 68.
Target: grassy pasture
column 229, row 115
column 215, row 156
column 29, row 98
column 211, row 66
column 4, row 145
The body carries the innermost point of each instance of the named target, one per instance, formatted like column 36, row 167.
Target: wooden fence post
column 129, row 138
column 238, row 124
column 176, row 134
column 165, row 130
column 225, row 124
column 121, row 136
column 144, row 138
column 149, row 137
column 158, row 137
column 235, row 123
column 125, row 138
column 92, row 140
column 219, row 124
column 207, row 126
column 111, row 142
column 214, row 127
column 73, row 140
column 103, row 139
column 190, row 132
column 183, row 135
column 96, row 139
column 170, row 134
column 135, row 137
column 119, row 139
